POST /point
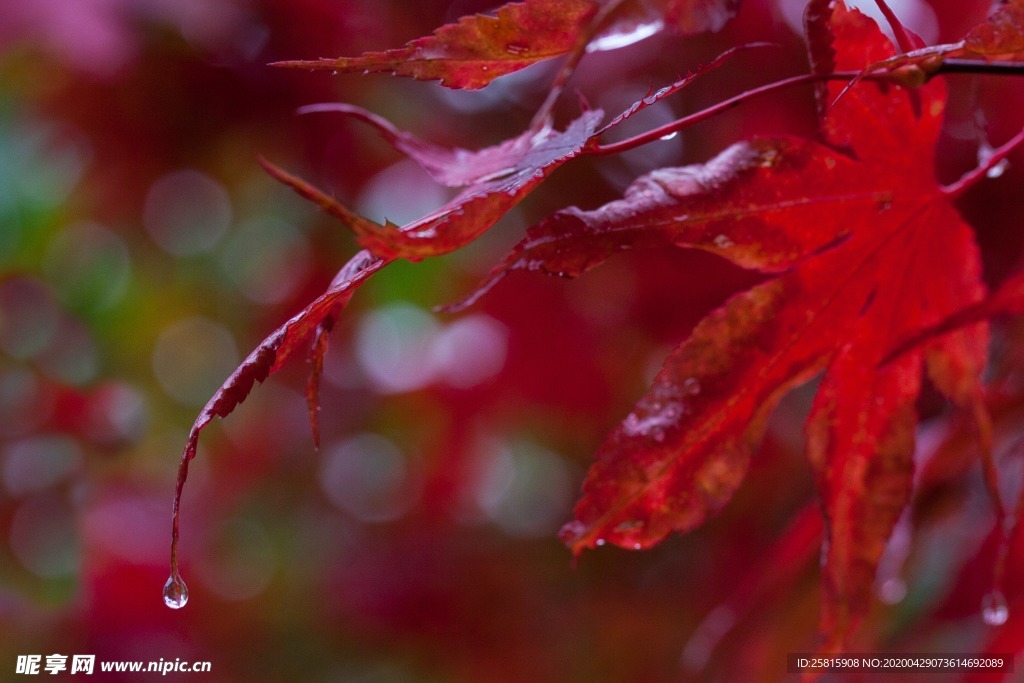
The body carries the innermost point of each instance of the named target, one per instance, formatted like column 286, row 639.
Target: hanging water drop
column 997, row 169
column 175, row 592
column 994, row 610
column 891, row 591
column 669, row 136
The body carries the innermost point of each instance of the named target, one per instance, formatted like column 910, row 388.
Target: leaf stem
column 977, row 66
column 714, row 110
column 543, row 116
column 971, row 177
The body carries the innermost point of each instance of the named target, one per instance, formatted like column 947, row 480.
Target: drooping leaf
column 532, row 157
column 270, row 356
column 477, row 49
column 525, row 162
column 864, row 247
column 1001, row 34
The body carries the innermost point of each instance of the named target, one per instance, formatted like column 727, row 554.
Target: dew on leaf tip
column 723, row 242
column 994, row 610
column 997, row 169
column 175, row 592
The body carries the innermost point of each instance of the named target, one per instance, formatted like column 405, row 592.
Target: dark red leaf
column 747, row 205
column 524, row 162
column 267, row 358
column 477, row 49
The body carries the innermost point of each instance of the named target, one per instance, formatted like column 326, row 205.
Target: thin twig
column 705, row 114
column 971, row 177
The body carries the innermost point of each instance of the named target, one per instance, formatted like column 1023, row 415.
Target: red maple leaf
column 477, row 49
column 862, row 247
column 999, row 37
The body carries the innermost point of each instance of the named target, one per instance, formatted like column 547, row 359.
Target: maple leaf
column 525, row 161
column 269, row 357
column 477, row 49
column 1001, row 34
column 862, row 247
column 497, row 178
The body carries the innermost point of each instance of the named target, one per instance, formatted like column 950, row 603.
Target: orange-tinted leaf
column 1002, row 34
column 522, row 163
column 477, row 49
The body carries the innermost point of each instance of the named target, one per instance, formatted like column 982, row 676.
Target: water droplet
column 691, row 386
column 892, row 591
column 599, row 542
column 723, row 242
column 998, row 169
column 770, row 157
column 175, row 592
column 994, row 610
column 628, row 525
column 637, row 546
column 669, row 136
column 617, row 39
